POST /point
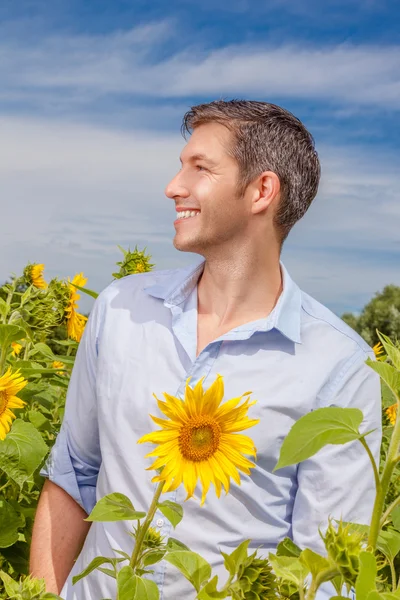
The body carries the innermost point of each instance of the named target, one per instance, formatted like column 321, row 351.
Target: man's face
column 206, row 185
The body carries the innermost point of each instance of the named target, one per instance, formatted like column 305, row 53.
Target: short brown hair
column 267, row 138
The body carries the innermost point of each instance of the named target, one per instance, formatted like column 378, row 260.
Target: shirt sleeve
column 75, row 459
column 338, row 481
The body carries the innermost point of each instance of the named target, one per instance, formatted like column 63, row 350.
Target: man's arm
column 338, row 481
column 72, row 469
column 58, row 535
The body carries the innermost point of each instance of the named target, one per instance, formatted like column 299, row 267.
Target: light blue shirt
column 141, row 338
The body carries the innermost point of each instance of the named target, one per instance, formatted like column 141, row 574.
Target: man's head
column 246, row 163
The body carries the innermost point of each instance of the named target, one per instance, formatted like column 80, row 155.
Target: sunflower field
column 40, row 330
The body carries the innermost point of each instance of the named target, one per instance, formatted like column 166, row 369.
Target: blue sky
column 91, row 100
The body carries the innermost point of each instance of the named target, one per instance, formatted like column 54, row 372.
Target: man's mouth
column 186, row 214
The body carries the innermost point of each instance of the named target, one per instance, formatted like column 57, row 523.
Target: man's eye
column 200, row 167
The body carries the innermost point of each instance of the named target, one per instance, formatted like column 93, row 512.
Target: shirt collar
column 285, row 317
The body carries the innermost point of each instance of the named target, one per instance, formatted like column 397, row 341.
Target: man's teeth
column 184, row 214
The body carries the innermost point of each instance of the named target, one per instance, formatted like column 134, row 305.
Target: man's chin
column 185, row 245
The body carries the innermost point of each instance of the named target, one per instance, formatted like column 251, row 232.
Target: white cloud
column 84, row 68
column 70, row 193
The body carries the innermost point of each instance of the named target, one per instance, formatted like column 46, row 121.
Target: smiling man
column 249, row 173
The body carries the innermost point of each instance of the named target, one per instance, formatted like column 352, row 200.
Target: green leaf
column 132, row 587
column 192, row 566
column 389, row 374
column 153, row 557
column 174, row 544
column 95, row 564
column 86, row 291
column 395, row 516
column 18, row 557
column 210, row 592
column 172, row 511
column 22, row 452
column 4, row 307
column 11, row 586
column 388, row 543
column 115, row 507
column 289, row 569
column 126, row 583
column 366, row 579
column 313, row 431
column 374, row 595
column 391, row 349
column 39, row 420
column 288, row 548
column 234, row 561
column 41, row 348
column 10, row 522
column 314, row 562
column 10, row 333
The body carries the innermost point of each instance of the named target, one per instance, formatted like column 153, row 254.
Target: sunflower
column 57, row 364
column 391, row 413
column 10, row 384
column 378, row 351
column 34, row 274
column 16, row 348
column 199, row 440
column 75, row 321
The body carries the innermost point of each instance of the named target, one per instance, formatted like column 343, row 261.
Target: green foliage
column 382, row 313
column 35, row 318
column 172, row 511
column 344, row 546
column 133, row 262
column 332, row 425
column 114, row 507
column 367, row 558
column 192, row 566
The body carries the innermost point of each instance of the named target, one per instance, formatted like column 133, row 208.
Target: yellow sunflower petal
column 165, row 423
column 190, row 478
column 213, row 396
column 158, row 437
column 15, row 402
column 199, row 439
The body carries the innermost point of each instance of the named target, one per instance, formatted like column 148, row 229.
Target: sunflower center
column 3, row 401
column 199, row 438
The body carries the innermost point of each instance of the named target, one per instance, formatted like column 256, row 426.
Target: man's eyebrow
column 202, row 157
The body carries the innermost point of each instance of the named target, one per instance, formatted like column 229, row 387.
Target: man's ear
column 267, row 189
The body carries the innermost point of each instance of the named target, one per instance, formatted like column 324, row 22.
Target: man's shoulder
column 330, row 327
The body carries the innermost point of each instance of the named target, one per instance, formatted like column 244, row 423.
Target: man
column 249, row 173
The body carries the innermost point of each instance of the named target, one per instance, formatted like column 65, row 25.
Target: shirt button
column 160, row 522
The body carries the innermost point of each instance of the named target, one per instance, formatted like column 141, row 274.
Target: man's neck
column 231, row 293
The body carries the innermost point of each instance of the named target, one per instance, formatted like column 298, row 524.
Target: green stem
column 393, row 574
column 26, row 352
column 10, row 295
column 389, row 511
column 3, row 356
column 3, row 487
column 143, row 529
column 373, row 463
column 390, row 463
column 321, row 578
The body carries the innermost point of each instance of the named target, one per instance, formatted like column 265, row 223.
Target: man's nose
column 176, row 188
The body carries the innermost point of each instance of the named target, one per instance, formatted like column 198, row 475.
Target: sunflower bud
column 134, row 262
column 153, row 539
column 255, row 580
column 287, row 589
column 344, row 547
column 45, row 309
column 33, row 274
